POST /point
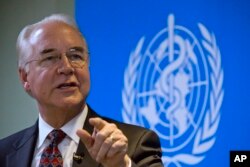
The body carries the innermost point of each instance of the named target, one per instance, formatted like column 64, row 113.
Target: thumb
column 85, row 137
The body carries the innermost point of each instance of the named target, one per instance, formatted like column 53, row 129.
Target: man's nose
column 65, row 60
column 65, row 66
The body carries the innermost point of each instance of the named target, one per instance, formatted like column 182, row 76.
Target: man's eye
column 76, row 57
column 50, row 58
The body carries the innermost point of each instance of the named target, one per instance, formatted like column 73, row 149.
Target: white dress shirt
column 68, row 145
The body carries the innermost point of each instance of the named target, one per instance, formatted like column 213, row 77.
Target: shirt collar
column 69, row 128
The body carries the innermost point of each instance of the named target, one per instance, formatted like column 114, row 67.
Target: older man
column 54, row 70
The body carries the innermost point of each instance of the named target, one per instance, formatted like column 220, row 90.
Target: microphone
column 78, row 157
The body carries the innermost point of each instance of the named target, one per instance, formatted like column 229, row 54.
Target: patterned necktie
column 51, row 156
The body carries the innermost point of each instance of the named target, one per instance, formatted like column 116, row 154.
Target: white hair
column 23, row 46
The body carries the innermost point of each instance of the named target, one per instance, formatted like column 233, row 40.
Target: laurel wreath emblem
column 205, row 136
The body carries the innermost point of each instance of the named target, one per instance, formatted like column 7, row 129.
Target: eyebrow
column 47, row 50
column 77, row 48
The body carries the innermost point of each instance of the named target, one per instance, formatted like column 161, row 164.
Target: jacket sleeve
column 147, row 151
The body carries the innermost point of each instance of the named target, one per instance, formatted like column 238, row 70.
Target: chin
column 71, row 102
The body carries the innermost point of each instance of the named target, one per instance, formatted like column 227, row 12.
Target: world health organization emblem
column 175, row 87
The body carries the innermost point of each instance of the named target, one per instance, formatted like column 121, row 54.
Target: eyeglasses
column 51, row 57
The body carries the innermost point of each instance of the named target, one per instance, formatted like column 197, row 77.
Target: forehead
column 56, row 35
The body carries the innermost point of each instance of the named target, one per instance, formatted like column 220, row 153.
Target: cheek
column 39, row 82
column 84, row 79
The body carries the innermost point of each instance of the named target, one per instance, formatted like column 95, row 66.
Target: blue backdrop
column 178, row 67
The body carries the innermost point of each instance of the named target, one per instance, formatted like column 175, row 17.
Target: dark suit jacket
column 143, row 146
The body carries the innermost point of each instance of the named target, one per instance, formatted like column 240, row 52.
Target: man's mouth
column 67, row 85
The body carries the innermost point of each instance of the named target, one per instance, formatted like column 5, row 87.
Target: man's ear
column 24, row 80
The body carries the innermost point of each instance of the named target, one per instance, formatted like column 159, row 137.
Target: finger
column 104, row 149
column 85, row 137
column 101, row 137
column 98, row 123
column 119, row 147
column 94, row 133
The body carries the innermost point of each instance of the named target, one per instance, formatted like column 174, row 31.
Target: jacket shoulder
column 18, row 138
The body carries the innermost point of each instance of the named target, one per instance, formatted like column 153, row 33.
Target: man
column 54, row 70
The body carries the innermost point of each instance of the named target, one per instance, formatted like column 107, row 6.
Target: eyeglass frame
column 57, row 57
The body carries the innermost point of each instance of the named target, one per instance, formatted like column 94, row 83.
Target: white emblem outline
column 205, row 135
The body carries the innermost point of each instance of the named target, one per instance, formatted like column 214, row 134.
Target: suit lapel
column 82, row 150
column 24, row 148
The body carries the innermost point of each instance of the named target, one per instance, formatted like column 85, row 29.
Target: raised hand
column 107, row 144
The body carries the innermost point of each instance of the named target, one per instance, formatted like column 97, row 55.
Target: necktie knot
column 56, row 136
